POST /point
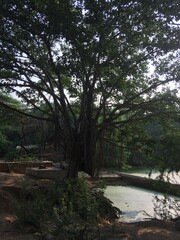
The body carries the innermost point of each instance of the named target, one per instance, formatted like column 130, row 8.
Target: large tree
column 87, row 61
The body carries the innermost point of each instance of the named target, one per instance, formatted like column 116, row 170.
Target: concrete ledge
column 47, row 173
column 20, row 167
column 151, row 184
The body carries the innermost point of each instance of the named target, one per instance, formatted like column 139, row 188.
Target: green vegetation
column 166, row 208
column 67, row 208
column 80, row 70
column 26, row 159
column 82, row 67
column 4, row 143
column 9, row 130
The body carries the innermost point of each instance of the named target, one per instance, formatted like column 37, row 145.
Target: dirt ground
column 151, row 230
column 148, row 230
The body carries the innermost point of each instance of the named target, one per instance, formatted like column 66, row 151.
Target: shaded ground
column 155, row 229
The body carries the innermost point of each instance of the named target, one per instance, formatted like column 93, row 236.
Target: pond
column 131, row 201
column 137, row 204
column 172, row 177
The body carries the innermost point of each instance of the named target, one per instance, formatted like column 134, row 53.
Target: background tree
column 9, row 130
column 94, row 54
column 17, row 128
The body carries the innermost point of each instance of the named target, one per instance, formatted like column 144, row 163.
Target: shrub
column 35, row 206
column 72, row 208
column 76, row 202
column 26, row 158
column 4, row 144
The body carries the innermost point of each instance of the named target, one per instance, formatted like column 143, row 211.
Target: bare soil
column 151, row 230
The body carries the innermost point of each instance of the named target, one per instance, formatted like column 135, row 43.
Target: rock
column 177, row 225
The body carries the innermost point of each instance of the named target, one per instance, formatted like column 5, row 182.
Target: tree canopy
column 87, row 62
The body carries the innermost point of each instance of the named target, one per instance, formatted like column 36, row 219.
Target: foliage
column 11, row 154
column 8, row 126
column 72, row 208
column 36, row 207
column 165, row 149
column 20, row 130
column 83, row 65
column 84, row 202
column 77, row 202
column 166, row 208
column 30, row 158
column 168, row 151
column 4, row 144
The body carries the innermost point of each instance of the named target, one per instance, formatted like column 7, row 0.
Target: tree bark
column 83, row 152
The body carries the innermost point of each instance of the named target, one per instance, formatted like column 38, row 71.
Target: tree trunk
column 75, row 154
column 83, row 153
column 57, row 136
column 90, row 151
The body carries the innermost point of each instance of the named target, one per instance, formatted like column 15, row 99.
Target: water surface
column 137, row 203
column 132, row 201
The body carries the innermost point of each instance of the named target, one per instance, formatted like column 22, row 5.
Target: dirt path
column 152, row 230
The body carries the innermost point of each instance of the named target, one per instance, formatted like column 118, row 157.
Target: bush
column 26, row 158
column 76, row 202
column 35, row 207
column 11, row 154
column 69, row 208
column 4, row 144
